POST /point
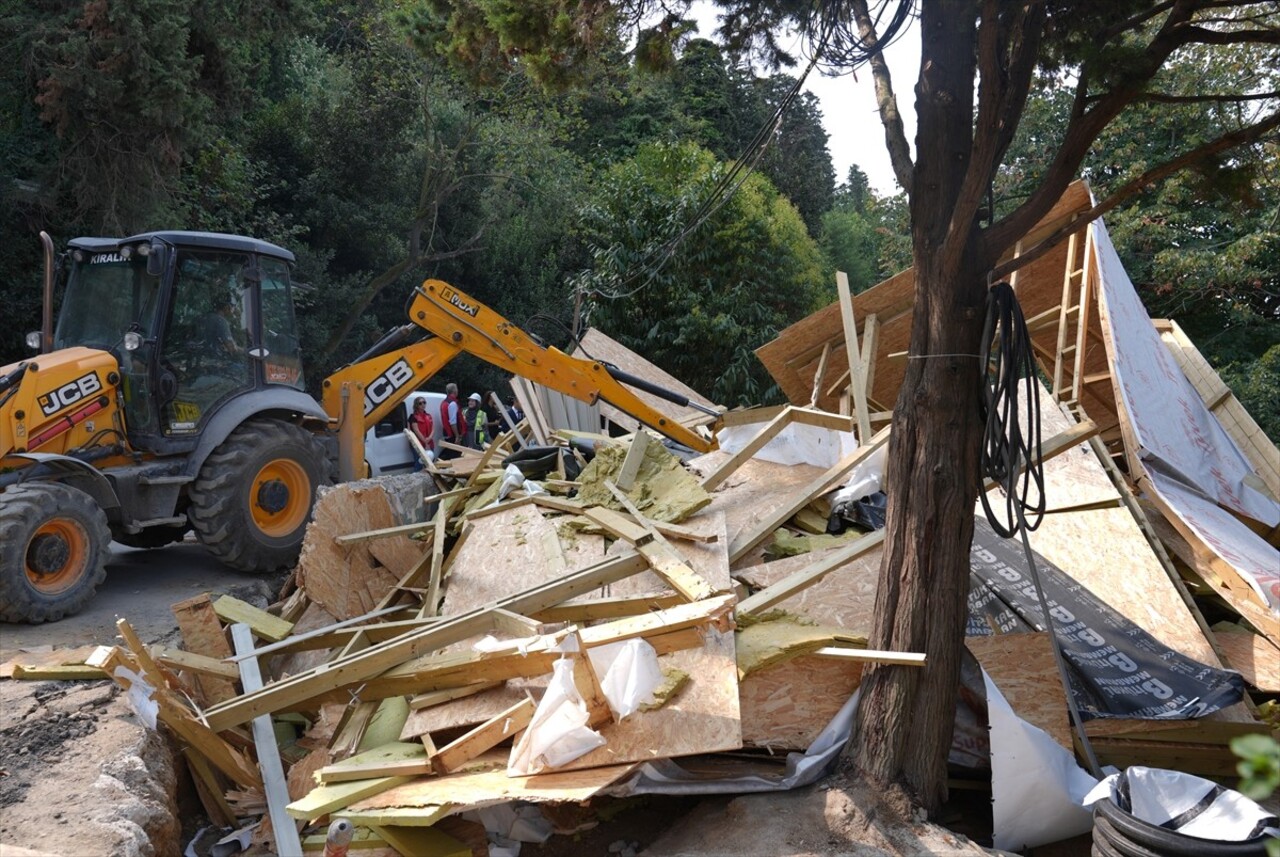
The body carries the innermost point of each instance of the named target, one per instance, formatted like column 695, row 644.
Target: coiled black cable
column 1011, row 450
column 1012, row 454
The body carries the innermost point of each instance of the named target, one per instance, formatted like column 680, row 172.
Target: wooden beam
column 817, row 376
column 397, row 759
column 264, row 739
column 664, row 559
column 263, row 624
column 364, row 665
column 757, row 443
column 176, row 659
column 606, row 608
column 438, row 697
column 870, row 342
column 484, row 737
column 634, row 458
column 588, row 685
column 857, row 373
column 872, row 656
column 748, row 538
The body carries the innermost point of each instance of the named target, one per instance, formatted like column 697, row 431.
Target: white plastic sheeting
column 1193, row 464
column 1036, row 786
column 795, row 444
column 1185, row 804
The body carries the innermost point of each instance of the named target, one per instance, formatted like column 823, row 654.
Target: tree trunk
column 903, row 730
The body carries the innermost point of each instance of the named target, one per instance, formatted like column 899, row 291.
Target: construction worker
column 475, row 419
column 453, row 421
column 423, row 430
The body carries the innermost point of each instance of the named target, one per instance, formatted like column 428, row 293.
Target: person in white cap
column 476, row 419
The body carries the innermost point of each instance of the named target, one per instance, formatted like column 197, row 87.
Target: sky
column 849, row 106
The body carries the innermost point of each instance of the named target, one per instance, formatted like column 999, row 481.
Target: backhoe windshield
column 105, row 298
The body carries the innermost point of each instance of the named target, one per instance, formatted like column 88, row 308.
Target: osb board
column 1254, row 657
column 506, row 552
column 754, row 491
column 471, row 789
column 346, row 579
column 703, row 717
column 845, row 598
column 597, row 346
column 792, row 357
column 785, row 706
column 1105, row 551
column 313, row 618
column 1076, row 476
column 1023, row 667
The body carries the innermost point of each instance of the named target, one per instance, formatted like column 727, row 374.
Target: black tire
column 253, row 497
column 54, row 543
column 152, row 537
column 1123, row 829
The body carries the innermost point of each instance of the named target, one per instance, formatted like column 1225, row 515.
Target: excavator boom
column 470, row 326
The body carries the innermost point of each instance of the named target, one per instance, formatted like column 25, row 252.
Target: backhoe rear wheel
column 252, row 499
column 54, row 542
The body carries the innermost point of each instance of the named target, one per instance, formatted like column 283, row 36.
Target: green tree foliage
column 1203, row 246
column 865, row 235
column 700, row 307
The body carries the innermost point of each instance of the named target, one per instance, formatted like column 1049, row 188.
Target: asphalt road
column 140, row 586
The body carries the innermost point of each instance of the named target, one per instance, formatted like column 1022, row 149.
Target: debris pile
column 463, row 653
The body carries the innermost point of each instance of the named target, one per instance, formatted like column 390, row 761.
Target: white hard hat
column 474, row 397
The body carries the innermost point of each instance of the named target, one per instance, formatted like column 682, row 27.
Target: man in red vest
column 453, row 422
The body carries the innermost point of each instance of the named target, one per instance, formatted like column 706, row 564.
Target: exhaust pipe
column 46, row 320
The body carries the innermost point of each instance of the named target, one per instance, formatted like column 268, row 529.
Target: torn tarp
column 1115, row 668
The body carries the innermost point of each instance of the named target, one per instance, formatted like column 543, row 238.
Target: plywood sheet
column 785, row 706
column 754, row 491
column 703, row 717
column 597, row 346
column 792, row 358
column 845, row 598
column 471, row 789
column 1254, row 656
column 347, row 580
column 1023, row 667
column 505, row 553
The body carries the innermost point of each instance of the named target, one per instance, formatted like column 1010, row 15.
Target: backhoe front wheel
column 54, row 542
column 252, row 499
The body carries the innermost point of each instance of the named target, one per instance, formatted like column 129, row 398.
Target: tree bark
column 905, row 719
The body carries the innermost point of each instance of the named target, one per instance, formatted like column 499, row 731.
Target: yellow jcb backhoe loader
column 170, row 396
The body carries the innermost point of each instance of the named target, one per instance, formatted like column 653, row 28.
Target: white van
column 386, row 449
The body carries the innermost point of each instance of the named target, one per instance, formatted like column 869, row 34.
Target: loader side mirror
column 157, row 259
column 167, row 387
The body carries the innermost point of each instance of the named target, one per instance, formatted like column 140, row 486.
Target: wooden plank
column 870, row 656
column 202, row 634
column 606, row 608
column 65, row 672
column 665, row 561
column 635, row 457
column 396, row 759
column 191, row 662
column 264, row 739
column 334, row 796
column 487, row 785
column 819, row 374
column 745, row 541
column 431, row 602
column 757, row 443
column 421, row 841
column 858, row 375
column 587, row 683
column 209, row 789
column 438, row 697
column 870, row 341
column 263, row 624
column 484, row 737
column 365, row 665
